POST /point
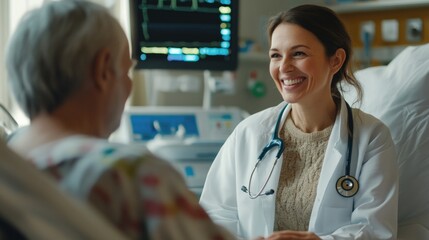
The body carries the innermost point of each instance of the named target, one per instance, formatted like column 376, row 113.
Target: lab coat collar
column 270, row 122
column 340, row 127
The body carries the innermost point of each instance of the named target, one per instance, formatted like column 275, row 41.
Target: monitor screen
column 185, row 34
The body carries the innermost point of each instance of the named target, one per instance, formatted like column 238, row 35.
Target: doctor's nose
column 286, row 65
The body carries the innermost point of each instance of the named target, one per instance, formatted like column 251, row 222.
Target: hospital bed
column 398, row 94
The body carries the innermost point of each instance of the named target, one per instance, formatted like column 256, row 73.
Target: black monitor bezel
column 229, row 65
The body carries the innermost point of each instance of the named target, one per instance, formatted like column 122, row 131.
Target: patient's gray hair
column 53, row 49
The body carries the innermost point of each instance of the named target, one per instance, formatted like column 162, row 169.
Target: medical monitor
column 185, row 34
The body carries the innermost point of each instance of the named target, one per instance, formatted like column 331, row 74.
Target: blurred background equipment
column 188, row 137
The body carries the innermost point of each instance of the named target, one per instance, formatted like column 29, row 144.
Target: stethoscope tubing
column 347, row 185
column 265, row 183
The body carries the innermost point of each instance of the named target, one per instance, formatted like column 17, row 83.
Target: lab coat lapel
column 335, row 153
column 268, row 202
column 329, row 166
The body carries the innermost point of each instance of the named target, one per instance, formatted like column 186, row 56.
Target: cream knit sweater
column 302, row 162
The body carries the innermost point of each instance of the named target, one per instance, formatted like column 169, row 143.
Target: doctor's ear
column 337, row 60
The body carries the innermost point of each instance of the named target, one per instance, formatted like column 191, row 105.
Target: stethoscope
column 347, row 185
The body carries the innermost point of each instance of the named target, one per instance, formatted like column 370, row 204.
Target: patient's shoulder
column 83, row 159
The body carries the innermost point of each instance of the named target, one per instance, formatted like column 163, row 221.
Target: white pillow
column 398, row 94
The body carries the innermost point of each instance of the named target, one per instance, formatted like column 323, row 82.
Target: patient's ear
column 102, row 71
column 337, row 60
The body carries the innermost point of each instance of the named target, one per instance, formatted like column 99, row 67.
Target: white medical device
column 188, row 137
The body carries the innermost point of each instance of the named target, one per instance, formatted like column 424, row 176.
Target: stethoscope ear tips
column 271, row 191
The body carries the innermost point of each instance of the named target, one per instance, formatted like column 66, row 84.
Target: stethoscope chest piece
column 347, row 186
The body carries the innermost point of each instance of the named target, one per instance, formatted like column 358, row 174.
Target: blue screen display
column 146, row 127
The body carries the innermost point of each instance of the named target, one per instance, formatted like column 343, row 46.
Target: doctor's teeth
column 291, row 82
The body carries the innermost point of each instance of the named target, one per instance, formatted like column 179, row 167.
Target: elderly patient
column 68, row 64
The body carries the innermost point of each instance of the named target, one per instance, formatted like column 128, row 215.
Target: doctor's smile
column 287, row 82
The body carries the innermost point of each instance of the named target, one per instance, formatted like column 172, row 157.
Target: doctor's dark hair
column 330, row 31
column 51, row 54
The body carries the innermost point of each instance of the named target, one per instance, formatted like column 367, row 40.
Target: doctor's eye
column 275, row 55
column 299, row 54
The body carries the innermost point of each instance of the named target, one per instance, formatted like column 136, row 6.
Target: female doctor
column 310, row 167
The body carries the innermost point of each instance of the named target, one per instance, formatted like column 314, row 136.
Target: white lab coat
column 370, row 214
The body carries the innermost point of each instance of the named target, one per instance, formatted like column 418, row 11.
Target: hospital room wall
column 252, row 26
column 410, row 27
column 252, row 20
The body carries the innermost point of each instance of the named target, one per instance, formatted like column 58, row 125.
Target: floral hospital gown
column 143, row 196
